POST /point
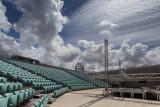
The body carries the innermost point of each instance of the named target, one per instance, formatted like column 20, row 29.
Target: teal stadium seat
column 19, row 100
column 15, row 86
column 3, row 88
column 20, row 86
column 9, row 87
column 26, row 94
column 60, row 91
column 3, row 72
column 30, row 93
column 3, row 102
column 12, row 100
column 37, row 104
column 8, row 95
column 42, row 102
column 23, row 91
column 3, row 80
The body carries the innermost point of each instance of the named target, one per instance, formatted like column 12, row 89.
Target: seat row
column 81, row 75
column 42, row 102
column 3, row 80
column 103, row 85
column 49, row 89
column 72, row 85
column 29, row 81
column 82, row 87
column 60, row 91
column 86, row 77
column 16, row 98
column 9, row 87
column 37, row 85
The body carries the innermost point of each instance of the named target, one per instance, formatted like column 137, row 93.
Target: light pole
column 106, row 66
column 119, row 65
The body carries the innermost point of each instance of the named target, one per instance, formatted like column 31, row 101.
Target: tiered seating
column 82, row 87
column 11, row 94
column 16, row 98
column 42, row 102
column 57, row 75
column 41, row 84
column 60, row 91
column 49, row 89
column 81, row 75
column 24, row 95
column 24, row 76
column 88, row 78
column 103, row 85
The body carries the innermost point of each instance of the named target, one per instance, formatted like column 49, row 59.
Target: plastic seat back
column 19, row 99
column 30, row 93
column 3, row 102
column 26, row 94
column 19, row 86
column 10, row 87
column 3, row 80
column 37, row 104
column 12, row 100
column 3, row 88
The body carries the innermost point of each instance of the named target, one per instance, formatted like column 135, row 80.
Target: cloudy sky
column 65, row 32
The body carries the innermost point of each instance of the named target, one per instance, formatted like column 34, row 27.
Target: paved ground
column 92, row 98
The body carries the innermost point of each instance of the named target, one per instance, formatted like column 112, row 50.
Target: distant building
column 79, row 67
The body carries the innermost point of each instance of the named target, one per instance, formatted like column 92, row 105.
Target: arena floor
column 92, row 98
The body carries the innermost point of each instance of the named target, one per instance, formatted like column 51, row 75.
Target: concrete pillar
column 144, row 95
column 133, row 95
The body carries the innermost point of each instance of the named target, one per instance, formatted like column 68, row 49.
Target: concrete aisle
column 92, row 98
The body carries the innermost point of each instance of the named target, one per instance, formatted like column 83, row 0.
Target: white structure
column 79, row 67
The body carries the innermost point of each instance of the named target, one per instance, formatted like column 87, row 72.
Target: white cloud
column 66, row 53
column 85, row 43
column 41, row 21
column 131, row 55
column 41, row 24
column 152, row 56
column 106, row 23
column 107, row 28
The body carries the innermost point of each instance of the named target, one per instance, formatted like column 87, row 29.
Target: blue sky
column 82, row 24
column 64, row 33
column 135, row 20
column 13, row 16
